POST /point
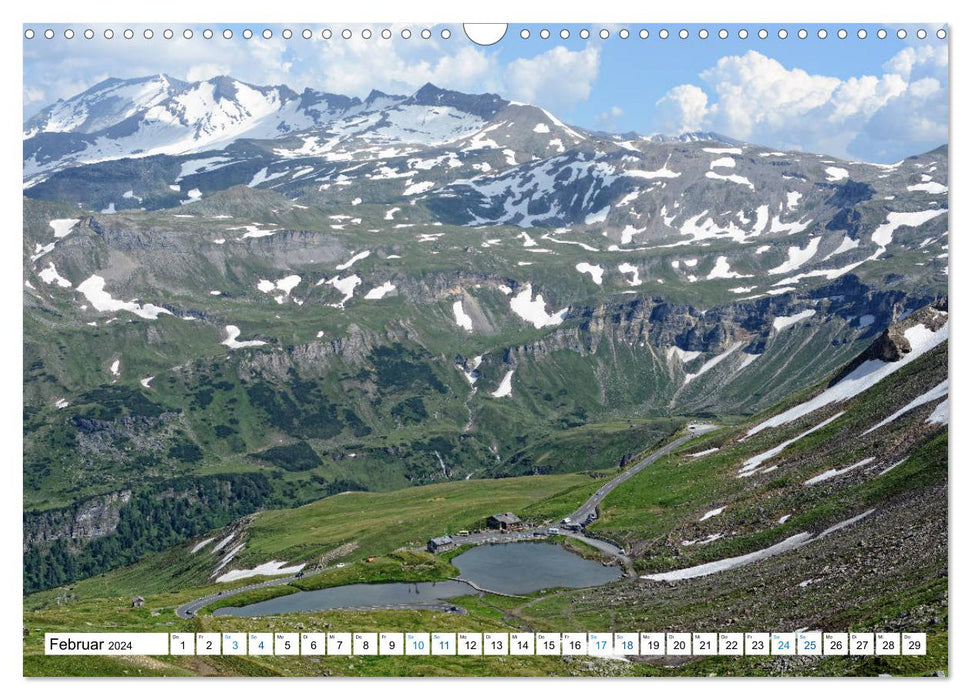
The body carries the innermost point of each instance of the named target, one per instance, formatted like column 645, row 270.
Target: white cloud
column 204, row 71
column 607, row 120
column 684, row 108
column 556, row 79
column 756, row 98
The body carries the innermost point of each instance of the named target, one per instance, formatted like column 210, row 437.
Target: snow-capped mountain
column 159, row 115
column 481, row 161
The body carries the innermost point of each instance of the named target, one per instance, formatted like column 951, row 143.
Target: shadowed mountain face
column 233, row 289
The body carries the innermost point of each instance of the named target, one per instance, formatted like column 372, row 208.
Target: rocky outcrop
column 95, row 517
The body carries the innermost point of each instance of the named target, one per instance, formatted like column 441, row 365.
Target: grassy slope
column 665, row 498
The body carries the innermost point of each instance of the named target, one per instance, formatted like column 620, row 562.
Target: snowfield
column 928, row 396
column 883, row 235
column 830, row 473
column 62, row 227
column 782, row 322
column 284, row 284
column 380, row 291
column 711, row 514
column 596, row 272
column 462, row 319
column 868, row 374
column 200, row 545
column 722, row 270
column 940, row 413
column 713, row 361
column 929, row 187
column 753, row 463
column 737, row 179
column 797, row 257
column 354, row 258
column 93, row 289
column 795, row 542
column 346, row 287
column 684, row 355
column 232, row 333
column 534, row 310
column 628, row 269
column 505, row 386
column 836, row 174
column 49, row 275
column 270, row 568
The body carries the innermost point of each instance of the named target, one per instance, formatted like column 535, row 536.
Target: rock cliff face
column 94, row 517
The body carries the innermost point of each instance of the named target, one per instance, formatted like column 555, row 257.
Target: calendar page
column 551, row 349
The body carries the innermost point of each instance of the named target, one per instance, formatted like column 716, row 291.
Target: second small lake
column 512, row 568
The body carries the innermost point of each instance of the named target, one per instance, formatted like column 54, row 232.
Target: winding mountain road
column 590, row 506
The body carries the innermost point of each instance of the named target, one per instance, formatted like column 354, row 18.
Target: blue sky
column 870, row 99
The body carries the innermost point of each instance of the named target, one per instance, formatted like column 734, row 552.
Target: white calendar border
column 494, row 10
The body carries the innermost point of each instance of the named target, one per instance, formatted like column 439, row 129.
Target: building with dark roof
column 504, row 521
